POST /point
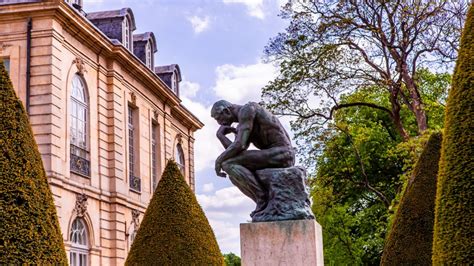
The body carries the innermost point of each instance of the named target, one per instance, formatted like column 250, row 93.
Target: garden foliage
column 454, row 227
column 29, row 227
column 411, row 236
column 174, row 230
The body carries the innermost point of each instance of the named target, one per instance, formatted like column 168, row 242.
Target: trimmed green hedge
column 29, row 227
column 174, row 230
column 410, row 239
column 454, row 215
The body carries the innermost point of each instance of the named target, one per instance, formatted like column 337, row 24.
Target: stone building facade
column 105, row 119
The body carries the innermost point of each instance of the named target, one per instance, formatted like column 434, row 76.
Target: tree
column 453, row 230
column 29, row 227
column 333, row 47
column 355, row 182
column 174, row 230
column 410, row 239
column 361, row 169
column 231, row 259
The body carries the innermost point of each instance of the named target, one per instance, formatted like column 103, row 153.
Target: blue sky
column 218, row 45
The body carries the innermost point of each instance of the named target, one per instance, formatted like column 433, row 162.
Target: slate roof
column 100, row 15
column 144, row 37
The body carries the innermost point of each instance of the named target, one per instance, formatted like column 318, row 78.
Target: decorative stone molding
column 133, row 98
column 80, row 65
column 135, row 217
column 81, row 205
column 179, row 138
column 3, row 46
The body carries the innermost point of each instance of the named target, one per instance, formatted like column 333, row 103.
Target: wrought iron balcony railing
column 80, row 165
column 135, row 183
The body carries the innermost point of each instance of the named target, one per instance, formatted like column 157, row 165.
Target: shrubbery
column 29, row 227
column 454, row 228
column 174, row 230
column 411, row 236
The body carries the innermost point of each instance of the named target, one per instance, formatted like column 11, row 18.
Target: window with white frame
column 155, row 153
column 79, row 253
column 174, row 83
column 78, row 128
column 179, row 157
column 148, row 55
column 135, row 182
column 71, row 2
column 132, row 233
column 126, row 33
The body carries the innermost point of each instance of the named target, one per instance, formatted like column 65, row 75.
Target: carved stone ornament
column 3, row 46
column 134, row 98
column 81, row 68
column 135, row 217
column 179, row 138
column 81, row 205
column 155, row 115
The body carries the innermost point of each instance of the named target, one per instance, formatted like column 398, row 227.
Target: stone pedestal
column 296, row 242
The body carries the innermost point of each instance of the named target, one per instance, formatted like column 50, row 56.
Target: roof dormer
column 75, row 3
column 144, row 47
column 171, row 75
column 116, row 24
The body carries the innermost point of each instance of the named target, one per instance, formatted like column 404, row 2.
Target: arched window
column 148, row 55
column 79, row 254
column 126, row 33
column 174, row 83
column 79, row 121
column 179, row 157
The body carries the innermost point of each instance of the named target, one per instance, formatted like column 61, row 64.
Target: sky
column 218, row 45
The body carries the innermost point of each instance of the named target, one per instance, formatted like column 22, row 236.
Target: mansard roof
column 145, row 37
column 110, row 14
column 168, row 69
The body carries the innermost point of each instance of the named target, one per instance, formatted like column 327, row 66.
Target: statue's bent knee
column 226, row 166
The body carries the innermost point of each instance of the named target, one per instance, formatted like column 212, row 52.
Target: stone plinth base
column 297, row 242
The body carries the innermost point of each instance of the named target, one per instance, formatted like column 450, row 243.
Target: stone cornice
column 79, row 27
column 190, row 120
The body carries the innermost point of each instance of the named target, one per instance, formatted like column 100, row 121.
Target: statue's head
column 222, row 114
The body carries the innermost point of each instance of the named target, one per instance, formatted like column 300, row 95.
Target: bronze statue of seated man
column 256, row 126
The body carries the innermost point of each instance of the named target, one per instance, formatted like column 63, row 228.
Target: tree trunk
column 396, row 115
column 417, row 105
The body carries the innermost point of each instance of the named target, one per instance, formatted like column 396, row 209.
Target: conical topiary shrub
column 410, row 239
column 29, row 227
column 454, row 215
column 174, row 230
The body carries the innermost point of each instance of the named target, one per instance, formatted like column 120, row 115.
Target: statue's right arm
column 242, row 138
column 221, row 135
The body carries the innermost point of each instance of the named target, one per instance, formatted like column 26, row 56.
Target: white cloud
column 199, row 24
column 224, row 199
column 254, row 7
column 225, row 210
column 207, row 146
column 188, row 89
column 208, row 187
column 239, row 84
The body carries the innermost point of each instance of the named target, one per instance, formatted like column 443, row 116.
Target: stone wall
column 64, row 44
